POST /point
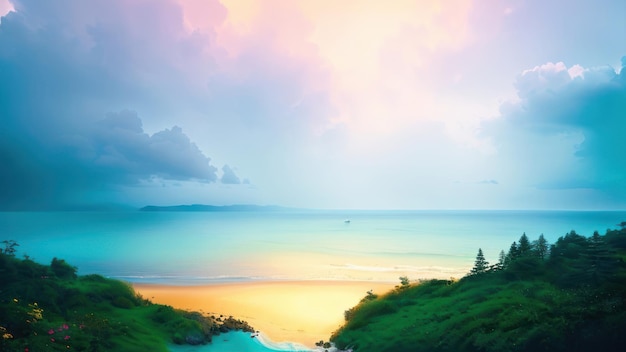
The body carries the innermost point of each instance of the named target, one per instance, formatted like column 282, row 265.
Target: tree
column 524, row 245
column 9, row 247
column 480, row 265
column 512, row 255
column 370, row 296
column 501, row 260
column 404, row 282
column 601, row 264
column 540, row 247
column 62, row 269
column 569, row 246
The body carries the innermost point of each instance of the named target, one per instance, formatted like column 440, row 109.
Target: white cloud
column 566, row 130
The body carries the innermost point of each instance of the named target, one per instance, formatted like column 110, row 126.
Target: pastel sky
column 424, row 104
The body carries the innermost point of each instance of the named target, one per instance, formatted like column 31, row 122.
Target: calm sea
column 200, row 247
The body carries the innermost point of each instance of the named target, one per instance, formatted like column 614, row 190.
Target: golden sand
column 296, row 311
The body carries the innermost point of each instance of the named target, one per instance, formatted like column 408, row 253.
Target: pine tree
column 599, row 258
column 512, row 255
column 480, row 265
column 540, row 247
column 524, row 246
column 501, row 260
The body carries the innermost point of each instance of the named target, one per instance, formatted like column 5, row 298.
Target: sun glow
column 5, row 7
column 376, row 55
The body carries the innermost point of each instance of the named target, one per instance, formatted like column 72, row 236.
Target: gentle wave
column 400, row 268
column 340, row 273
column 189, row 280
column 337, row 272
column 283, row 346
column 242, row 342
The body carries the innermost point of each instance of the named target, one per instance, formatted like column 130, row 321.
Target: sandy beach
column 295, row 311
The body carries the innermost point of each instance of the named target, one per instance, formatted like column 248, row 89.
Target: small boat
column 346, row 221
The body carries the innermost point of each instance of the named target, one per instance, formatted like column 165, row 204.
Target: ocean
column 203, row 247
column 186, row 248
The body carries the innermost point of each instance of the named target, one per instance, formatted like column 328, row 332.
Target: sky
column 425, row 104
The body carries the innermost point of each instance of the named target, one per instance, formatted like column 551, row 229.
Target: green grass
column 48, row 308
column 527, row 306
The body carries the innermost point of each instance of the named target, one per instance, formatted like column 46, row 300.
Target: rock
column 195, row 338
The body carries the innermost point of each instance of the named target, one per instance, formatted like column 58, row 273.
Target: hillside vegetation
column 568, row 296
column 50, row 308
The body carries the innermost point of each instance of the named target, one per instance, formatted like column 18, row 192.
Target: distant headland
column 217, row 208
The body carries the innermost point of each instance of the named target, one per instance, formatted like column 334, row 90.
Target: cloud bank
column 322, row 104
column 566, row 129
column 69, row 71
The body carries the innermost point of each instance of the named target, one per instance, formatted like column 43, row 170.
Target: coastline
column 302, row 312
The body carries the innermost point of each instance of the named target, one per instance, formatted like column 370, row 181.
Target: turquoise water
column 241, row 342
column 187, row 248
column 184, row 248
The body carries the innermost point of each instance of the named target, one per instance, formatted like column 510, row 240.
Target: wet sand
column 295, row 311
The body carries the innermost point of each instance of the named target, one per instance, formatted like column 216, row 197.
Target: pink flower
column 51, row 331
column 52, row 339
column 67, row 337
column 65, row 326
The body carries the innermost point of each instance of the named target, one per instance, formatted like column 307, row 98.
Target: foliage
column 480, row 265
column 323, row 344
column 540, row 247
column 568, row 296
column 524, row 246
column 9, row 247
column 404, row 283
column 62, row 270
column 50, row 308
column 370, row 295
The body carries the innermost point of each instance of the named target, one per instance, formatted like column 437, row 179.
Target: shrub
column 123, row 302
column 62, row 269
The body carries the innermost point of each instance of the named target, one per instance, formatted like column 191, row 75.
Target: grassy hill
column 50, row 308
column 568, row 296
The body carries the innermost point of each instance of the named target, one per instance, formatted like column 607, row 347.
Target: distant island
column 216, row 208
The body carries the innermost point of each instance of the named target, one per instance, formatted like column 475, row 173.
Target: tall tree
column 540, row 247
column 480, row 265
column 601, row 263
column 524, row 245
column 513, row 254
column 501, row 260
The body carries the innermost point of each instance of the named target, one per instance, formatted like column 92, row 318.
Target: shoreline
column 241, row 341
column 293, row 311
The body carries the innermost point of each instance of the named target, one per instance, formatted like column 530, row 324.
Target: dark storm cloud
column 64, row 67
column 120, row 143
column 115, row 152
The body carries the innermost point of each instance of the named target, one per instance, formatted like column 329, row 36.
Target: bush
column 62, row 269
column 164, row 314
column 37, row 300
column 123, row 302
